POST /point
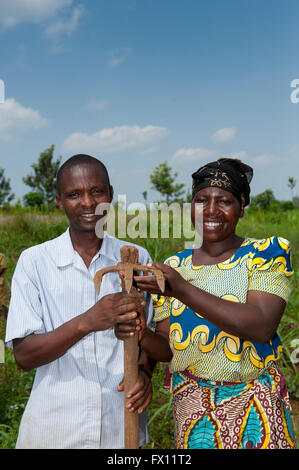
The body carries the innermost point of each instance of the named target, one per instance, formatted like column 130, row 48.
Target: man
column 58, row 324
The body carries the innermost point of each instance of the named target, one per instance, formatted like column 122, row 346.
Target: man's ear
column 58, row 200
column 111, row 190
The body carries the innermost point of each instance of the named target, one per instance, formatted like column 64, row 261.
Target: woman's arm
column 256, row 320
column 156, row 344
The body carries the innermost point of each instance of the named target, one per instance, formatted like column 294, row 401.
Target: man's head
column 82, row 184
column 80, row 159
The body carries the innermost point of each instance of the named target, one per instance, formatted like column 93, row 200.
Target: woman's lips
column 212, row 224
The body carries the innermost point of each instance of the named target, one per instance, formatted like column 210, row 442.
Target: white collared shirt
column 74, row 402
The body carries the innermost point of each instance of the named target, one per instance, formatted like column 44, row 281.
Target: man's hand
column 112, row 309
column 127, row 329
column 140, row 396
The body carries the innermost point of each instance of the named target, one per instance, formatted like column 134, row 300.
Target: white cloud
column 65, row 26
column 224, row 135
column 98, row 105
column 112, row 140
column 118, row 56
column 263, row 159
column 191, row 155
column 16, row 119
column 31, row 11
column 240, row 155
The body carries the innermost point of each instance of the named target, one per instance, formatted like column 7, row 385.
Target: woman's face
column 220, row 213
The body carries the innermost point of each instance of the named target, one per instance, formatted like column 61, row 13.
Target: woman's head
column 222, row 190
column 229, row 174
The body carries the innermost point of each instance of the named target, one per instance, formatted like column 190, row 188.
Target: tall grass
column 21, row 230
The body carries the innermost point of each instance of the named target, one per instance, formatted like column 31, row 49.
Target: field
column 21, row 230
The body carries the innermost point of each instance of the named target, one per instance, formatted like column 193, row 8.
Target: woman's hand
column 128, row 329
column 173, row 281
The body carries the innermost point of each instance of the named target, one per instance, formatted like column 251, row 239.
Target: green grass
column 21, row 230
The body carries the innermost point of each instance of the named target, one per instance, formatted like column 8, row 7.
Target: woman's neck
column 216, row 252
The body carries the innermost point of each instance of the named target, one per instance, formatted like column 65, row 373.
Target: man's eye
column 97, row 191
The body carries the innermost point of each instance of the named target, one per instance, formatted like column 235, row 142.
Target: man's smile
column 89, row 216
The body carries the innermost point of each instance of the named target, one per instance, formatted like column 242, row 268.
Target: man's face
column 82, row 188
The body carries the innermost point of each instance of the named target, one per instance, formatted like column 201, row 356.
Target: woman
column 220, row 310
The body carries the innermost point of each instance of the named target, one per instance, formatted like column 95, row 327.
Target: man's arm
column 36, row 350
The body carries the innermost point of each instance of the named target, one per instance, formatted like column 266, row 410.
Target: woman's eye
column 226, row 202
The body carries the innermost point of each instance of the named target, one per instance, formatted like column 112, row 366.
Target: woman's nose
column 211, row 207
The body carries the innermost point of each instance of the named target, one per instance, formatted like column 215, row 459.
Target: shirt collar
column 64, row 253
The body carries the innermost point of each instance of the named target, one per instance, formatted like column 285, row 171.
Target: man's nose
column 87, row 200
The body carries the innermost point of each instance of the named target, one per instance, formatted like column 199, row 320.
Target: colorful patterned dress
column 228, row 392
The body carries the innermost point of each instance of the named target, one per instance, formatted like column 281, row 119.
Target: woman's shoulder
column 177, row 259
column 270, row 246
column 271, row 254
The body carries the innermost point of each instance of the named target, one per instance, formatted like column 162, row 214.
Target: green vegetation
column 44, row 174
column 21, row 229
column 6, row 196
column 163, row 181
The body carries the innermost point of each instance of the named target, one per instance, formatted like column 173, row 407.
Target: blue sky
column 137, row 82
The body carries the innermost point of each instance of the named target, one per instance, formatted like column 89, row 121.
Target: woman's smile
column 212, row 225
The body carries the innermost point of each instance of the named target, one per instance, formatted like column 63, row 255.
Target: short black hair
column 79, row 159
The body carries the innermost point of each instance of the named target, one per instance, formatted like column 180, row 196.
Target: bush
column 33, row 199
column 263, row 200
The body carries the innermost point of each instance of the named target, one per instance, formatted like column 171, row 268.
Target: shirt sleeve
column 270, row 267
column 25, row 315
column 162, row 307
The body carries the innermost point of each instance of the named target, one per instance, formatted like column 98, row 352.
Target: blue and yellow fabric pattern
column 200, row 347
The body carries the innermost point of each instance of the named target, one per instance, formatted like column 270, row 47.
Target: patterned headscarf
column 225, row 173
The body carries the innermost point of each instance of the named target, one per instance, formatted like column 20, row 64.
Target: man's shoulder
column 35, row 252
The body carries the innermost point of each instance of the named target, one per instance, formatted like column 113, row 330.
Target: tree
column 263, row 200
column 34, row 199
column 144, row 194
column 6, row 196
column 163, row 181
column 44, row 178
column 291, row 184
